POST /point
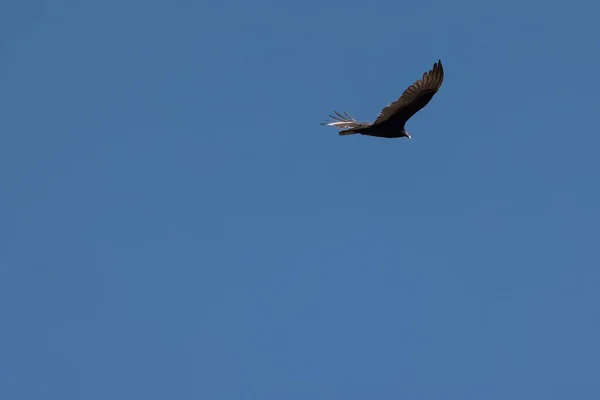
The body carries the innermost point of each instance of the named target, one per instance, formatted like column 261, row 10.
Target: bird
column 392, row 118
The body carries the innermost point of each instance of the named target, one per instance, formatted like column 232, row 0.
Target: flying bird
column 391, row 120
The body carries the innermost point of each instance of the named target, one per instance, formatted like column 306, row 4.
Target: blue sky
column 176, row 225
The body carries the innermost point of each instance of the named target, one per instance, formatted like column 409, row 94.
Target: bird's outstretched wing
column 344, row 121
column 414, row 98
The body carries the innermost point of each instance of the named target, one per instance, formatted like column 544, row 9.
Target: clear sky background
column 174, row 223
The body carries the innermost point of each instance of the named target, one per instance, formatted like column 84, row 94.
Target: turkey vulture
column 391, row 120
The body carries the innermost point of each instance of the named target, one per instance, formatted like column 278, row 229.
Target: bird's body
column 392, row 119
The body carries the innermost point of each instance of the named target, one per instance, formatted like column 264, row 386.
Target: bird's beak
column 408, row 136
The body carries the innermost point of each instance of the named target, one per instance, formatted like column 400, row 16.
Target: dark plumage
column 391, row 120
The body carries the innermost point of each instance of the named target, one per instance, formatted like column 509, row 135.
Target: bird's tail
column 351, row 131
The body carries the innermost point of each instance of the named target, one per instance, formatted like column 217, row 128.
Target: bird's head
column 406, row 133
